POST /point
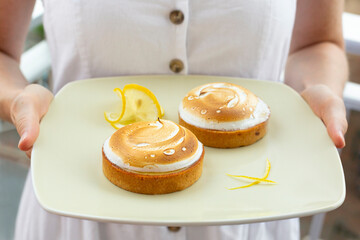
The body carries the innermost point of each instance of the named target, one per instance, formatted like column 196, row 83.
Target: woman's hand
column 27, row 110
column 317, row 65
column 330, row 109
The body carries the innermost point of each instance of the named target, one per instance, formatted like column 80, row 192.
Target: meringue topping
column 223, row 106
column 153, row 147
column 235, row 102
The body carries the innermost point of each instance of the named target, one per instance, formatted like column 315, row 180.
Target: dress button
column 176, row 65
column 176, row 17
column 174, row 229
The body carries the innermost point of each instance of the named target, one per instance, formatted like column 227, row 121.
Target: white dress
column 92, row 38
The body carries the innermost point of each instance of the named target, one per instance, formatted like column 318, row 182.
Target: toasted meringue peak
column 223, row 106
column 155, row 146
column 232, row 101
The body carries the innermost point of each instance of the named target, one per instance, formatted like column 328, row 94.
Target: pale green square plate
column 67, row 161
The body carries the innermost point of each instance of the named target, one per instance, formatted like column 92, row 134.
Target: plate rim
column 294, row 214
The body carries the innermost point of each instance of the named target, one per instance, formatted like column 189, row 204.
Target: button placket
column 176, row 65
column 176, row 17
column 174, row 229
column 179, row 18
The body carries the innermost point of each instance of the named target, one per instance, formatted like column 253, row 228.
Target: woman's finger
column 330, row 109
column 26, row 120
column 27, row 109
column 334, row 117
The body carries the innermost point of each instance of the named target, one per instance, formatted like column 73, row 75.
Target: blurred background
column 344, row 222
column 340, row 224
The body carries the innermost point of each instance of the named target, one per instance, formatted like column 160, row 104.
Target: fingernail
column 341, row 134
column 23, row 136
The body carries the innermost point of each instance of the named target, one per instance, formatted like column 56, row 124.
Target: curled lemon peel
column 263, row 179
column 138, row 104
column 113, row 117
column 116, row 125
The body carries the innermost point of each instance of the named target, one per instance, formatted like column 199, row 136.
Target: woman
column 253, row 39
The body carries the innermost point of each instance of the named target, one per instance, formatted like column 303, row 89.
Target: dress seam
column 80, row 47
column 266, row 33
column 49, row 27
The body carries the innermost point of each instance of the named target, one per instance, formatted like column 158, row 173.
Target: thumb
column 330, row 109
column 26, row 110
column 26, row 120
column 334, row 117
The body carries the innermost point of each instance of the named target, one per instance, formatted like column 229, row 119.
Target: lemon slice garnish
column 263, row 179
column 162, row 112
column 141, row 105
column 138, row 104
column 113, row 117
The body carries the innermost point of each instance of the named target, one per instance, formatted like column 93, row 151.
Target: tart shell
column 227, row 139
column 152, row 183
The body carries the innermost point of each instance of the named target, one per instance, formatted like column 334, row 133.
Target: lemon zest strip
column 258, row 180
column 252, row 178
column 245, row 186
column 268, row 167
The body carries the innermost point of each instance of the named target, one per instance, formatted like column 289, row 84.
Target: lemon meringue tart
column 224, row 115
column 153, row 157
